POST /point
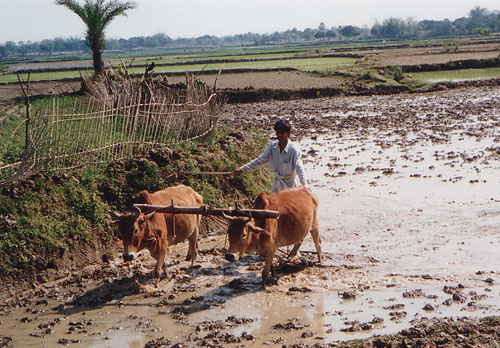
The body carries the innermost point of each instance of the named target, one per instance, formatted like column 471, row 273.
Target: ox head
column 132, row 229
column 243, row 237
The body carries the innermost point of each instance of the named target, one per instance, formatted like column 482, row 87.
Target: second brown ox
column 157, row 231
column 298, row 216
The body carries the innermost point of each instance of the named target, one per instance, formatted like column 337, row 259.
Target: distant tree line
column 480, row 21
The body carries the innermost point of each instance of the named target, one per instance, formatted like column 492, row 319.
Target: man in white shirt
column 284, row 160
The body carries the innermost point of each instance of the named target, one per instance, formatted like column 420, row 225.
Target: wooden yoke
column 173, row 221
column 204, row 210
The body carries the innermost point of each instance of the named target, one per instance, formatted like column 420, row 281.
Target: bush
column 371, row 76
column 398, row 74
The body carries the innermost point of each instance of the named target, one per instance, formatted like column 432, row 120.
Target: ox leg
column 294, row 250
column 160, row 262
column 267, row 267
column 317, row 241
column 193, row 247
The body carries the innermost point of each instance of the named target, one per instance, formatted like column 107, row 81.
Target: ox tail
column 261, row 202
column 315, row 227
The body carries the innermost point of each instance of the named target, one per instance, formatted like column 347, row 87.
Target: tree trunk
column 98, row 64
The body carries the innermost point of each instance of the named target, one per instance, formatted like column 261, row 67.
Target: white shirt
column 287, row 165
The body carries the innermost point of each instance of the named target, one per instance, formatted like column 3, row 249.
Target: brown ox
column 298, row 215
column 156, row 231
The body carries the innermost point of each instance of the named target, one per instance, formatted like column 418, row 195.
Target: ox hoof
column 230, row 257
column 269, row 281
column 128, row 258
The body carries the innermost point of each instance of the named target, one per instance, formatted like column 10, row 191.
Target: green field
column 457, row 75
column 195, row 58
column 305, row 64
column 47, row 76
column 320, row 64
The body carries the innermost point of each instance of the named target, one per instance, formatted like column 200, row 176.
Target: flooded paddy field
column 457, row 75
column 409, row 215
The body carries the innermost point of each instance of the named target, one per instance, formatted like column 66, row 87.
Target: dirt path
column 47, row 88
column 410, row 209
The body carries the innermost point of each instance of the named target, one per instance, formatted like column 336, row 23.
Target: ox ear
column 148, row 216
column 256, row 229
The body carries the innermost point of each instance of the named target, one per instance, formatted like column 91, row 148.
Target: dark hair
column 282, row 125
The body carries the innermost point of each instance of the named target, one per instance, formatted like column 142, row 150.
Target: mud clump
column 291, row 325
column 161, row 342
column 6, row 342
column 448, row 333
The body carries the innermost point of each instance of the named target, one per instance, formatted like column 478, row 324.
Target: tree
column 350, row 31
column 478, row 13
column 392, row 28
column 440, row 28
column 319, row 35
column 331, row 34
column 97, row 14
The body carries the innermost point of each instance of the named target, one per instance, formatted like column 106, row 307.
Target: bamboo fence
column 96, row 131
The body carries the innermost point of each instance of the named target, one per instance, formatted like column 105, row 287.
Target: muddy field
column 409, row 214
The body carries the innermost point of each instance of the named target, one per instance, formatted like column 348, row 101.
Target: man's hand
column 237, row 172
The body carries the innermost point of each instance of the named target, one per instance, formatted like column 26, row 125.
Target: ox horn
column 136, row 213
column 231, row 218
column 247, row 220
column 227, row 217
column 114, row 215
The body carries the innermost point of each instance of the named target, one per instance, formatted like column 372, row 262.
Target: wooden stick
column 207, row 173
column 26, row 93
column 204, row 210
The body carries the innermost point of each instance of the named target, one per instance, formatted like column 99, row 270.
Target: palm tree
column 97, row 14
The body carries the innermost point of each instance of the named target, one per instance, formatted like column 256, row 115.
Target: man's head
column 282, row 128
column 282, row 125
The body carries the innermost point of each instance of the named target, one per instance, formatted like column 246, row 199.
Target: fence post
column 26, row 93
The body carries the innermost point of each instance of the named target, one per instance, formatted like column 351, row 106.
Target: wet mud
column 409, row 213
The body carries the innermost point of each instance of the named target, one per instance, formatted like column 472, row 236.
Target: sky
column 36, row 20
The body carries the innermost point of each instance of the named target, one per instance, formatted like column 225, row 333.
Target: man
column 284, row 160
